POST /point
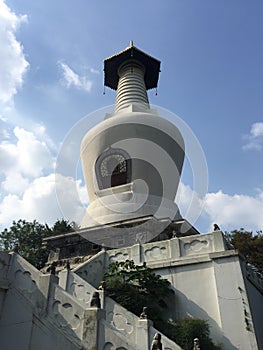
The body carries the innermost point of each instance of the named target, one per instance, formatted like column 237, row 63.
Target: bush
column 135, row 287
column 183, row 331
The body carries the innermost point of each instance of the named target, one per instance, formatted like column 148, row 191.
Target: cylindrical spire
column 131, row 71
column 131, row 86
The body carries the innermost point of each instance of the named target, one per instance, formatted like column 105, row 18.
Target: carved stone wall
column 38, row 313
column 43, row 312
column 209, row 282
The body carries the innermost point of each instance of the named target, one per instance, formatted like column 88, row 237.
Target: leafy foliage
column 248, row 244
column 62, row 226
column 183, row 332
column 29, row 235
column 135, row 287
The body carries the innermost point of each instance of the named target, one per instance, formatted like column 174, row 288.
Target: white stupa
column 132, row 161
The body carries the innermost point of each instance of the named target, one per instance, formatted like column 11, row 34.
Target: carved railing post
column 143, row 340
column 90, row 335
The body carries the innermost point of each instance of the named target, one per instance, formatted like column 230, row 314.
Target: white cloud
column 235, row 211
column 40, row 132
column 4, row 133
column 39, row 202
column 3, row 119
column 15, row 183
column 29, row 188
column 13, row 63
column 189, row 203
column 94, row 71
column 254, row 141
column 70, row 78
column 27, row 156
column 228, row 211
column 257, row 129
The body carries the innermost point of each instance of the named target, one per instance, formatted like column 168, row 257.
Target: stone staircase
column 58, row 313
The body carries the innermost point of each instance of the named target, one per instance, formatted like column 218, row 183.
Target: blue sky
column 51, row 76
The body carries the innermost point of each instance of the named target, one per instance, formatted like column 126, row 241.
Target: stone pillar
column 90, row 336
column 45, row 287
column 143, row 340
column 63, row 279
column 175, row 248
column 136, row 253
column 219, row 241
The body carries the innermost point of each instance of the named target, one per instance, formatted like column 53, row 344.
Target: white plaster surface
column 148, row 138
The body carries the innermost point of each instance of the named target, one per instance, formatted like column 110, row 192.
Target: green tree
column 62, row 226
column 183, row 332
column 135, row 287
column 29, row 236
column 250, row 245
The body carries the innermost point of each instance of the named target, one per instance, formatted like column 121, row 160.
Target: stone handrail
column 170, row 250
column 93, row 269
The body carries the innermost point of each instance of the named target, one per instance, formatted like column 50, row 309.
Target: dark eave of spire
column 151, row 65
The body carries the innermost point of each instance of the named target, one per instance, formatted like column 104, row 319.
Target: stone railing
column 254, row 277
column 5, row 260
column 122, row 329
column 48, row 304
column 61, row 304
column 92, row 270
column 75, row 321
column 175, row 248
column 131, row 332
column 168, row 344
column 30, row 283
column 80, row 289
